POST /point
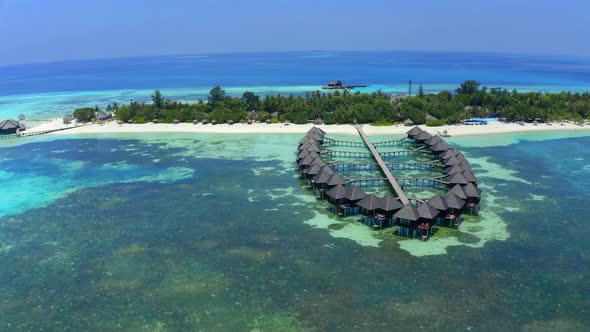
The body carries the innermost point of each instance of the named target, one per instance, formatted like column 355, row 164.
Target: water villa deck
column 448, row 170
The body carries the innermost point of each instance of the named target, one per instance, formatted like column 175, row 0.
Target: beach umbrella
column 427, row 211
column 154, row 120
column 454, row 201
column 129, row 121
column 457, row 178
column 22, row 117
column 388, row 204
column 195, row 121
column 459, row 191
column 439, row 203
column 230, row 122
column 268, row 121
column 176, row 121
column 369, row 203
column 471, row 191
column 337, row 193
column 408, row 212
column 355, row 193
column 214, row 122
column 204, row 121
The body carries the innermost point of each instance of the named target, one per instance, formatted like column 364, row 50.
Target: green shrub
column 435, row 123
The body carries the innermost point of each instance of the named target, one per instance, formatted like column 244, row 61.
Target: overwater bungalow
column 412, row 133
column 473, row 196
column 428, row 215
column 347, row 198
column 422, row 137
column 337, row 196
column 433, row 140
column 8, row 127
column 453, row 214
column 406, row 219
column 454, row 169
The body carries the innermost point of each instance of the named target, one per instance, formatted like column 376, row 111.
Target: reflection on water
column 194, row 241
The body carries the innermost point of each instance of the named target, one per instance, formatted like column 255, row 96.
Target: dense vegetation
column 469, row 100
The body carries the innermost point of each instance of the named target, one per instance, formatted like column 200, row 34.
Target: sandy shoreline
column 263, row 128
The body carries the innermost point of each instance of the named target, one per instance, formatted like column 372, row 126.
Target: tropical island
column 469, row 100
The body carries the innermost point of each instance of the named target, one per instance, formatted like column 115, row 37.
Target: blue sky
column 55, row 30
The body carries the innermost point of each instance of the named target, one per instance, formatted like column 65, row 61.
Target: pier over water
column 390, row 178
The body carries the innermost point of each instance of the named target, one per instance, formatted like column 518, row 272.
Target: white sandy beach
column 262, row 128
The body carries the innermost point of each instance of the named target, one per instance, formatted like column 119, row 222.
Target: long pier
column 390, row 178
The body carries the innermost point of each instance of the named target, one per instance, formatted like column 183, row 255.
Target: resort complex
column 351, row 174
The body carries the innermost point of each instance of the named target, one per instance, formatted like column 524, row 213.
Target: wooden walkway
column 41, row 132
column 334, row 142
column 390, row 178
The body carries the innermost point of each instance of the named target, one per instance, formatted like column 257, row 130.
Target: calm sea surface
column 212, row 232
column 216, row 232
column 51, row 90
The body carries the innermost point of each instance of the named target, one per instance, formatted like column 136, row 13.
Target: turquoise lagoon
column 216, row 232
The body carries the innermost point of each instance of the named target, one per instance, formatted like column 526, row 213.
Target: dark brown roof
column 433, row 140
column 451, row 162
column 324, row 176
column 454, row 201
column 468, row 175
column 318, row 129
column 462, row 158
column 338, row 192
column 388, row 204
column 315, row 168
column 439, row 203
column 355, row 193
column 453, row 170
column 408, row 212
column 309, row 159
column 471, row 190
column 302, row 154
column 314, row 147
column 447, row 155
column 304, row 146
column 465, row 167
column 457, row 178
column 370, row 203
column 458, row 190
column 423, row 136
column 427, row 211
column 440, row 147
column 336, row 179
column 9, row 124
column 414, row 131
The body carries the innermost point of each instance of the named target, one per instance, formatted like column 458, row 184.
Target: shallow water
column 216, row 232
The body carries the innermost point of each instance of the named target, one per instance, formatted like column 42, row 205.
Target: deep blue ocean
column 53, row 89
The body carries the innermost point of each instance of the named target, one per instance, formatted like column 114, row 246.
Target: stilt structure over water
column 390, row 178
column 412, row 217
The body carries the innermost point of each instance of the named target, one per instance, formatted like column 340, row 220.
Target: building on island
column 8, row 127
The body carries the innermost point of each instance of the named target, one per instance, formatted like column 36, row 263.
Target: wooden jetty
column 390, row 178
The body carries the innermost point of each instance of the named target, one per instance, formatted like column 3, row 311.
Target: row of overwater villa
column 412, row 216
